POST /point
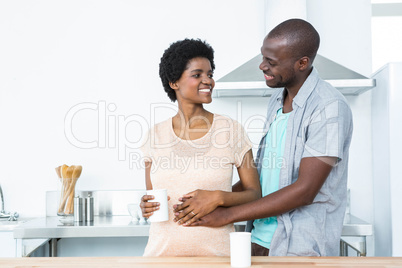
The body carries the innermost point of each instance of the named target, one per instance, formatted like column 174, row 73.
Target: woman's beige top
column 182, row 166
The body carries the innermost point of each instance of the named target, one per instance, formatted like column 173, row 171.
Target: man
column 308, row 132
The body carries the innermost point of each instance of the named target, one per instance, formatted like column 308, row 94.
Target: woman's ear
column 174, row 85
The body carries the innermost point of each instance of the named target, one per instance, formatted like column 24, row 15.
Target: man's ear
column 303, row 63
column 174, row 85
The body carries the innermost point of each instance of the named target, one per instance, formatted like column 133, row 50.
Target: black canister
column 89, row 208
column 78, row 209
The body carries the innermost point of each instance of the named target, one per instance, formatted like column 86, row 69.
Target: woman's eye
column 210, row 75
column 196, row 75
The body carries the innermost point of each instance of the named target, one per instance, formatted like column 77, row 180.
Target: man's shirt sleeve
column 328, row 130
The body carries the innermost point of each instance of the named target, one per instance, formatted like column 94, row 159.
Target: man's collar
column 305, row 90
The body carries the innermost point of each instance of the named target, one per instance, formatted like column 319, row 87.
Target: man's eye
column 268, row 61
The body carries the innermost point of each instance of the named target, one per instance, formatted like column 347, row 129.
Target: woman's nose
column 207, row 80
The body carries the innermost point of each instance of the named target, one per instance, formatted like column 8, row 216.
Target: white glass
column 240, row 249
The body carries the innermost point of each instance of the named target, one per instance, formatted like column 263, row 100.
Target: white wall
column 56, row 55
column 387, row 40
column 345, row 30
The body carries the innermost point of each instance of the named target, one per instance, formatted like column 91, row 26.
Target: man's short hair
column 302, row 38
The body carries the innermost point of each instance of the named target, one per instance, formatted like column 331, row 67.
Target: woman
column 192, row 156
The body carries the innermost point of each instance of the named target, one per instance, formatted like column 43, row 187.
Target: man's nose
column 263, row 66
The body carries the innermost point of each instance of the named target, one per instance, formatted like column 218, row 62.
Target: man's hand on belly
column 196, row 205
column 217, row 218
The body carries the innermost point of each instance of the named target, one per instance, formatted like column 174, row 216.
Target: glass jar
column 67, row 193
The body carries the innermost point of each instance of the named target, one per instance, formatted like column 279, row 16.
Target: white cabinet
column 84, row 247
column 7, row 244
column 102, row 246
column 387, row 146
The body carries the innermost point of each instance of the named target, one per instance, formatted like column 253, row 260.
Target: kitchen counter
column 33, row 234
column 9, row 226
column 354, row 235
column 102, row 226
column 51, row 227
column 201, row 262
column 121, row 226
column 353, row 226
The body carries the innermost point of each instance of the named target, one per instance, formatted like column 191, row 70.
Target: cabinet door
column 7, row 245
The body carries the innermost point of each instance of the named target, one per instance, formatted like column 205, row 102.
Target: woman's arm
column 199, row 203
column 237, row 187
column 148, row 208
column 148, row 183
column 249, row 188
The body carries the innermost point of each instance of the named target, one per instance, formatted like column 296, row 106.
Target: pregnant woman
column 193, row 155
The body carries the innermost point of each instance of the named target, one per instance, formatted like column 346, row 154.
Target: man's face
column 277, row 63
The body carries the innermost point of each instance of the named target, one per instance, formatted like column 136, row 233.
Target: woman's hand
column 148, row 208
column 195, row 205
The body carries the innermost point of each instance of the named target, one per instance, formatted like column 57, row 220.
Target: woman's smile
column 206, row 90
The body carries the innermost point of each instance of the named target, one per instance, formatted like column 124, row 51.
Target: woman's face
column 196, row 83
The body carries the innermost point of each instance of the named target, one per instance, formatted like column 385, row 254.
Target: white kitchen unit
column 111, row 233
column 10, row 247
column 387, row 147
column 105, row 236
column 101, row 247
column 7, row 244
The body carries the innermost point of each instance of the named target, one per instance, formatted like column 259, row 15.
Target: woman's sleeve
column 242, row 143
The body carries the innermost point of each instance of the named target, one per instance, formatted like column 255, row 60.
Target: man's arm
column 199, row 203
column 312, row 174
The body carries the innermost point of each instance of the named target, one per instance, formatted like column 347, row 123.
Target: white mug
column 240, row 249
column 162, row 214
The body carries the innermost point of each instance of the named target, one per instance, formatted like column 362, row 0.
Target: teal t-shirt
column 272, row 163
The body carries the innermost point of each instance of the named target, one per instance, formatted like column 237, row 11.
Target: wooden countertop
column 209, row 262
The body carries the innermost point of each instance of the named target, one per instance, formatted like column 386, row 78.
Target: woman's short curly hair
column 175, row 59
